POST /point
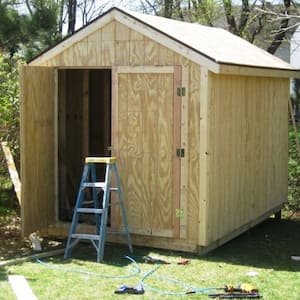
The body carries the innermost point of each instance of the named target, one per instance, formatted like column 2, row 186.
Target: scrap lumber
column 21, row 288
column 12, row 170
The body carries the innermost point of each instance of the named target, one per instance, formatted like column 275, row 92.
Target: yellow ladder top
column 104, row 160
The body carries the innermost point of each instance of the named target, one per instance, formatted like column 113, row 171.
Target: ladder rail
column 75, row 215
column 123, row 211
column 101, row 213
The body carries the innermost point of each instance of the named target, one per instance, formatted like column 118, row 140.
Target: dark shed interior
column 84, row 128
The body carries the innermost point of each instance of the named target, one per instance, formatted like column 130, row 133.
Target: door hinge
column 180, row 152
column 181, row 91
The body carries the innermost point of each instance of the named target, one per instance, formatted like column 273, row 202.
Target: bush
column 9, row 103
column 293, row 203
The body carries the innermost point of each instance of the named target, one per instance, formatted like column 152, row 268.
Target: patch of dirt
column 12, row 245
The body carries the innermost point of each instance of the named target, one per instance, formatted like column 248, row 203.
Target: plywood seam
column 166, row 41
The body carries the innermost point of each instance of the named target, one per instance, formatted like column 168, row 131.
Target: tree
column 9, row 101
column 252, row 20
column 10, row 29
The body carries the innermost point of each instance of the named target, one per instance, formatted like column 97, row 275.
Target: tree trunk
column 168, row 7
column 72, row 5
column 230, row 17
column 280, row 35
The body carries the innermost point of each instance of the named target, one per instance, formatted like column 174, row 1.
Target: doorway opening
column 84, row 129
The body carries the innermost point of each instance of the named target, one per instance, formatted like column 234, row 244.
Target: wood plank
column 145, row 69
column 184, row 141
column 177, row 144
column 56, row 145
column 21, row 287
column 85, row 113
column 14, row 175
column 193, row 168
column 204, row 155
column 252, row 71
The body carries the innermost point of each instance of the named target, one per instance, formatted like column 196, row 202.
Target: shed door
column 37, row 147
column 146, row 133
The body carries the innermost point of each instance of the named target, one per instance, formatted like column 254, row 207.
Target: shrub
column 293, row 203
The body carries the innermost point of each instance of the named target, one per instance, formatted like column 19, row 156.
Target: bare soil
column 12, row 245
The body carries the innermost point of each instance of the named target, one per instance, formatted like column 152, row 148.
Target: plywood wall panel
column 116, row 44
column 108, row 31
column 122, row 54
column 122, row 32
column 37, row 147
column 66, row 58
column 166, row 56
column 137, row 52
column 152, row 53
column 93, row 46
column 80, row 52
column 107, row 51
column 248, row 173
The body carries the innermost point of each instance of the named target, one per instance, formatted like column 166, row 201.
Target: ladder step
column 90, row 210
column 82, row 236
column 94, row 184
column 98, row 185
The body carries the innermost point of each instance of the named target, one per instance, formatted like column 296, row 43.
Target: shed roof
column 217, row 49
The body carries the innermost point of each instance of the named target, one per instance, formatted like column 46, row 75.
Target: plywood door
column 144, row 142
column 37, row 147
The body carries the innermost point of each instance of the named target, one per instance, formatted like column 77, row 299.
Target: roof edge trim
column 248, row 70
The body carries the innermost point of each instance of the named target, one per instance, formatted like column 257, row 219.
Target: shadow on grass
column 268, row 245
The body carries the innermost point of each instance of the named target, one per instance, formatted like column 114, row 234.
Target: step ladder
column 89, row 180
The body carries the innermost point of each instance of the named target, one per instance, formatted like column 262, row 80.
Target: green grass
column 266, row 249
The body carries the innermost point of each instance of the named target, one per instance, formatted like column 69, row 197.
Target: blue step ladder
column 89, row 180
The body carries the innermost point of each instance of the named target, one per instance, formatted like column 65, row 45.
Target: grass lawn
column 266, row 249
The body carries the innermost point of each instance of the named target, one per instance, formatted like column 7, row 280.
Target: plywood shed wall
column 232, row 127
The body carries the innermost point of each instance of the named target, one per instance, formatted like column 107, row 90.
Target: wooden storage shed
column 197, row 117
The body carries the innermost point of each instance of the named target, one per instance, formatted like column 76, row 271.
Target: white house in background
column 295, row 49
column 289, row 51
